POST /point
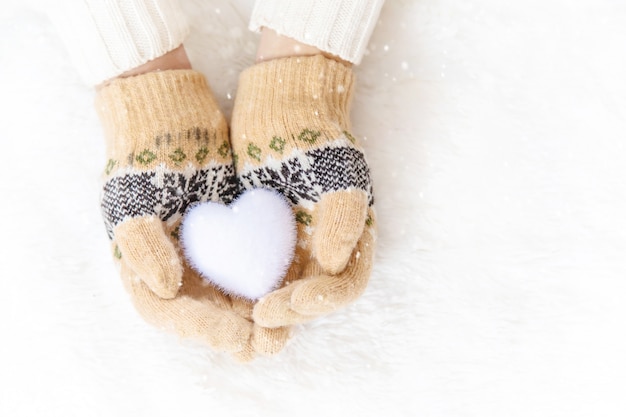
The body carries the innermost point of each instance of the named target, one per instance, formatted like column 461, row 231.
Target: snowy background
column 496, row 134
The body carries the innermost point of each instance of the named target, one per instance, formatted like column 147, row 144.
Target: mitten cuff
column 166, row 117
column 291, row 94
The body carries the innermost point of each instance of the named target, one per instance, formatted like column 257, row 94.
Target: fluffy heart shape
column 245, row 248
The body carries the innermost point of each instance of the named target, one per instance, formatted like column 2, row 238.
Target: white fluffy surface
column 496, row 136
column 244, row 248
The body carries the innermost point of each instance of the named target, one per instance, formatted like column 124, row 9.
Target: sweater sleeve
column 105, row 38
column 339, row 27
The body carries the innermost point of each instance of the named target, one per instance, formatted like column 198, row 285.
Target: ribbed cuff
column 288, row 106
column 160, row 112
column 106, row 38
column 312, row 91
column 339, row 27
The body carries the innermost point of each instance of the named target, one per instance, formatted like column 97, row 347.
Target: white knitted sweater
column 108, row 37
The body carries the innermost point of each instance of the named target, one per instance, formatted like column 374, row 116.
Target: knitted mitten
column 290, row 131
column 167, row 147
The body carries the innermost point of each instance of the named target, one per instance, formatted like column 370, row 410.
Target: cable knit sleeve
column 107, row 38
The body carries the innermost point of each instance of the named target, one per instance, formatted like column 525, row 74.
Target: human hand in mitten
column 167, row 144
column 290, row 132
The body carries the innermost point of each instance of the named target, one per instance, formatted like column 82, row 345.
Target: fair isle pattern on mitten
column 290, row 132
column 164, row 193
column 306, row 176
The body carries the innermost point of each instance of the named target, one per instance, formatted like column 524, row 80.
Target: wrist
column 274, row 46
column 172, row 60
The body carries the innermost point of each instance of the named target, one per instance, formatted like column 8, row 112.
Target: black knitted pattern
column 164, row 194
column 314, row 173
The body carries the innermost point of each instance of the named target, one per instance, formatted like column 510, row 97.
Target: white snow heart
column 245, row 248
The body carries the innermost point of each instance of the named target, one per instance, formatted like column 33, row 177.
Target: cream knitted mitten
column 290, row 131
column 168, row 147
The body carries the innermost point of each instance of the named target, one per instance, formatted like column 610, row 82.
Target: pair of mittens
column 168, row 150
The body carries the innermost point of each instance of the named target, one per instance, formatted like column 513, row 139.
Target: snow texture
column 245, row 248
column 496, row 137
